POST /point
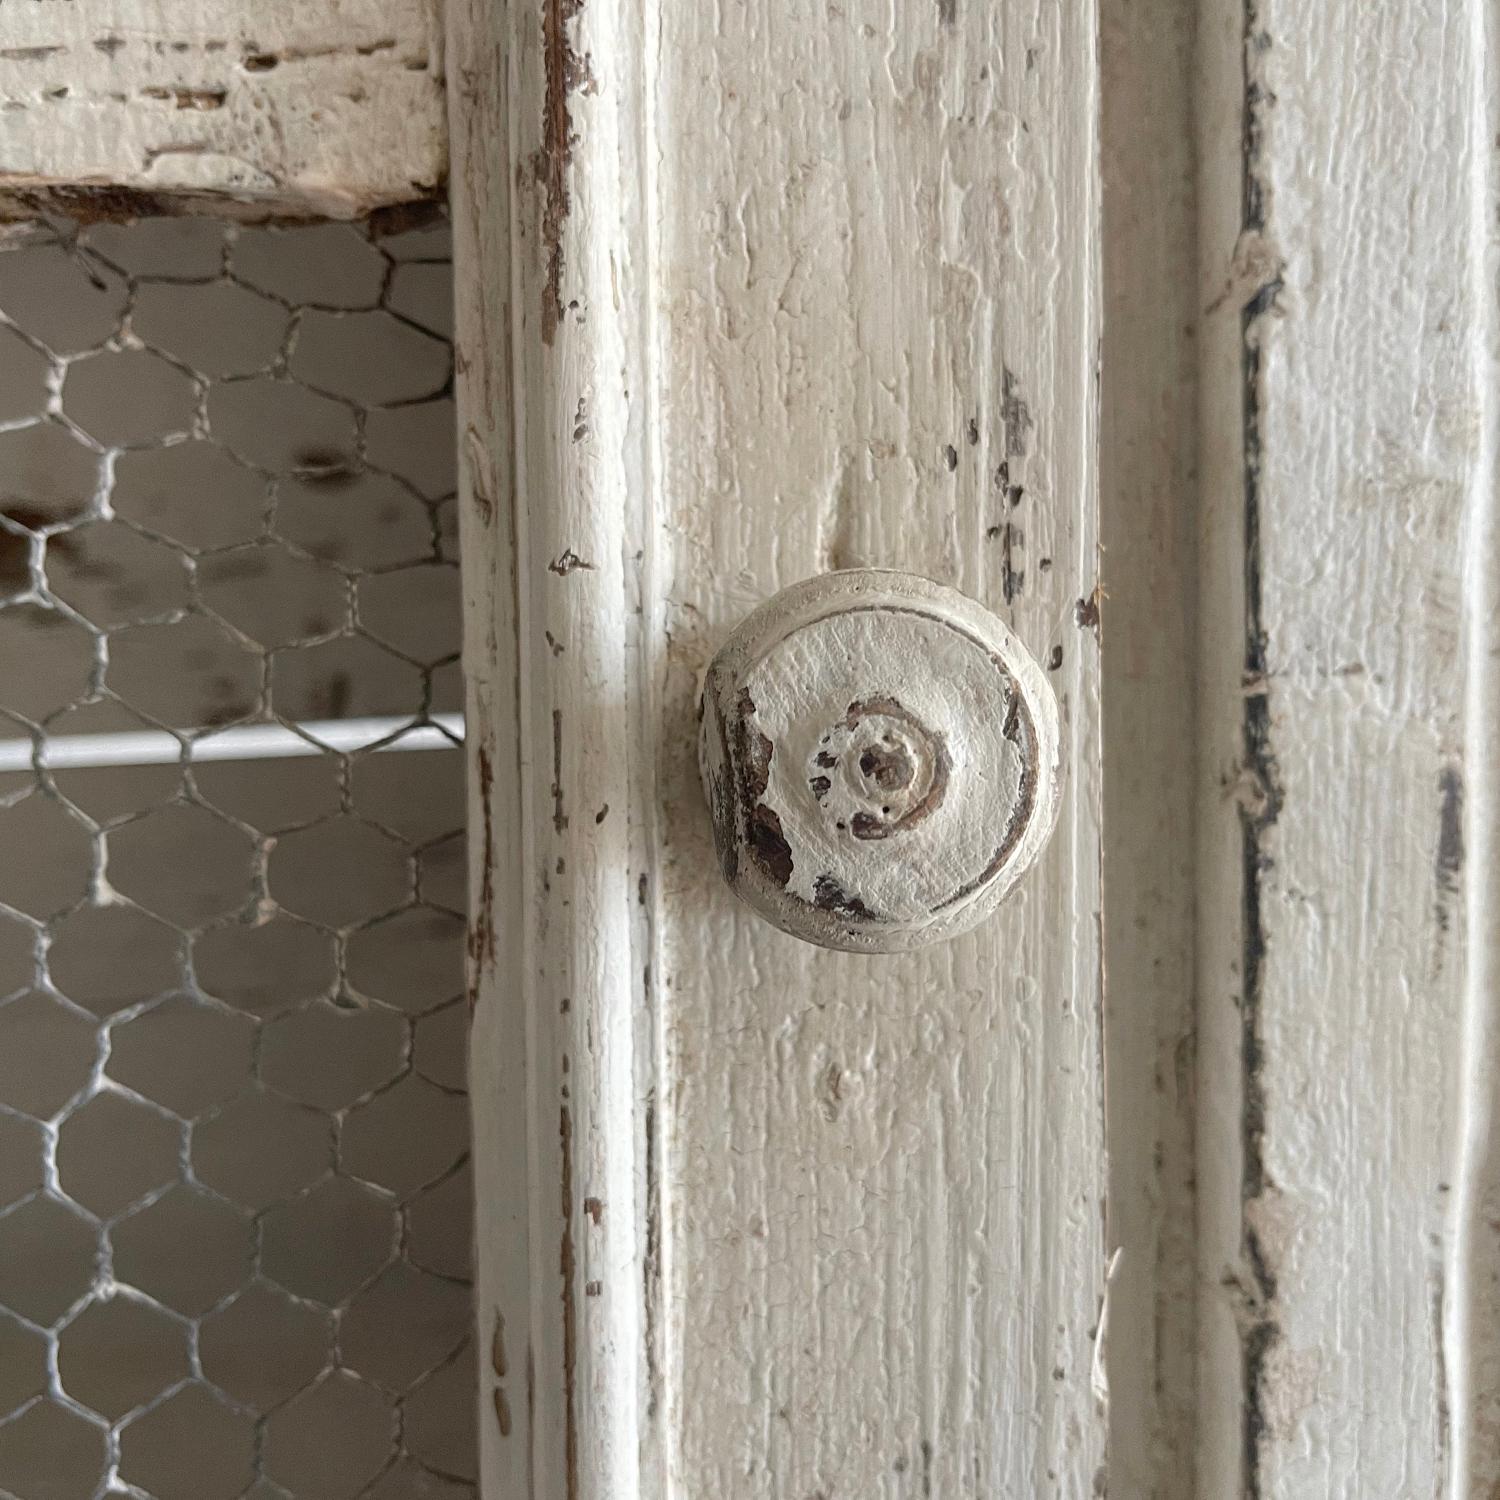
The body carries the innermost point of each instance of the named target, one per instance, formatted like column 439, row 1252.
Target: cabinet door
column 755, row 293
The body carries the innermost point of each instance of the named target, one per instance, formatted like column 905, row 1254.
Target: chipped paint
column 891, row 851
column 481, row 942
column 565, row 72
column 712, row 472
column 332, row 112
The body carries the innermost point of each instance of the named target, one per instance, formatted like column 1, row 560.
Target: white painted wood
column 1469, row 852
column 880, row 757
column 744, row 302
column 554, row 443
column 329, row 107
column 1346, row 1172
column 878, row 327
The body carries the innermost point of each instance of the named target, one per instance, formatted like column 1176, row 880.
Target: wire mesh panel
column 234, row 1197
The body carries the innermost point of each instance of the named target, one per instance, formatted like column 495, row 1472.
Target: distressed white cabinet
column 1167, row 331
column 757, row 295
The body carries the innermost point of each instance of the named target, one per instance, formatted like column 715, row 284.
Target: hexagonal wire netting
column 234, row 1196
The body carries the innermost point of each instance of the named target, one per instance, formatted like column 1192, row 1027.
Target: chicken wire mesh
column 234, row 1197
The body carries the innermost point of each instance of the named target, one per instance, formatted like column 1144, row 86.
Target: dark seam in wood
column 1443, row 1415
column 559, row 817
column 568, row 1266
column 1259, row 815
column 530, row 1419
column 482, row 932
column 83, row 204
column 1012, row 578
column 1015, row 415
column 651, row 1262
column 1450, row 846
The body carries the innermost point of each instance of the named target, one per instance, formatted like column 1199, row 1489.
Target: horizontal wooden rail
column 292, row 107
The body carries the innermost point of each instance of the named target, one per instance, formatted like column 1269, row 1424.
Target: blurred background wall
column 234, row 1193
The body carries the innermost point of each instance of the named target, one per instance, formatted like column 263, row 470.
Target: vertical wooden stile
column 1346, row 690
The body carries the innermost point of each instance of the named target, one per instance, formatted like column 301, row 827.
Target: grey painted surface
column 234, row 1201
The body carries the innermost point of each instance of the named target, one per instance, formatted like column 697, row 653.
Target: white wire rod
column 156, row 747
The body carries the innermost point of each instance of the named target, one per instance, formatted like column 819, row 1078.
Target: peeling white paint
column 1347, row 392
column 747, row 298
column 329, row 108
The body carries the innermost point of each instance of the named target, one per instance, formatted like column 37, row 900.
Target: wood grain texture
column 550, row 261
column 749, row 296
column 1468, row 852
column 328, row 108
column 876, row 338
column 1347, row 287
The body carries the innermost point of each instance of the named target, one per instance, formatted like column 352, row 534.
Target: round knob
column 880, row 754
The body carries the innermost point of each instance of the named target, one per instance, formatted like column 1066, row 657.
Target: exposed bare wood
column 1347, row 285
column 120, row 107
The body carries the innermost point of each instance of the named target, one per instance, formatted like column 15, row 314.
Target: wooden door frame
column 560, row 713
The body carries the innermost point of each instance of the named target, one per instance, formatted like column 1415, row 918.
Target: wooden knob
column 880, row 755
